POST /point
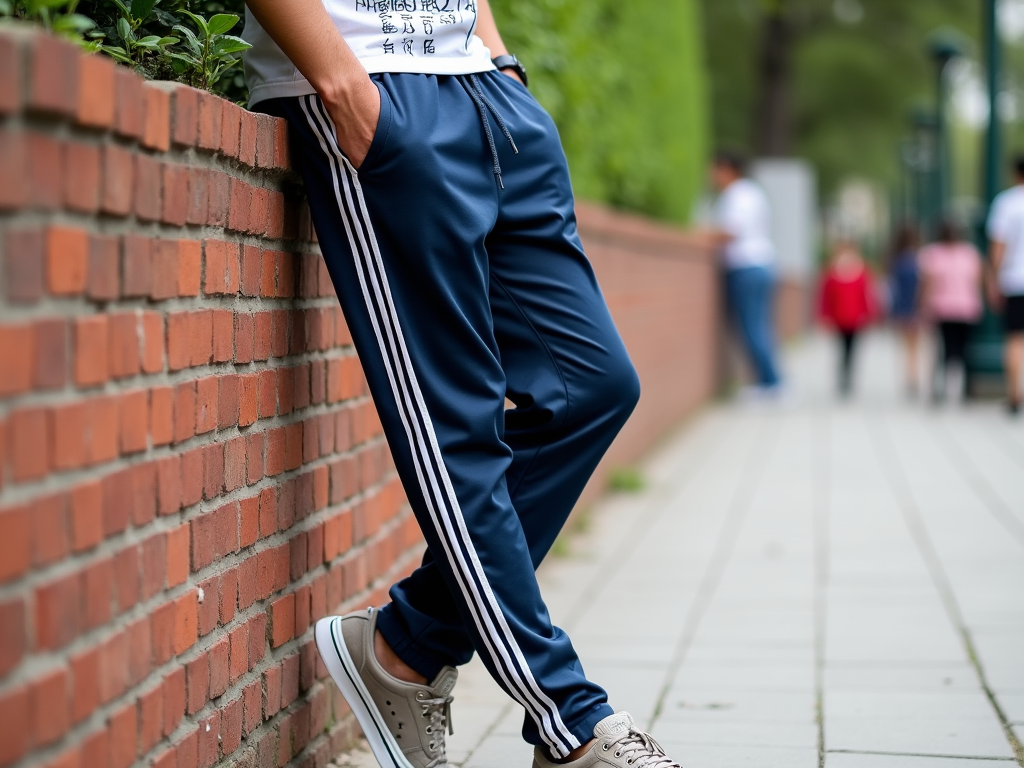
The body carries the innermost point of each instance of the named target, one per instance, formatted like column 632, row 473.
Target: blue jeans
column 751, row 293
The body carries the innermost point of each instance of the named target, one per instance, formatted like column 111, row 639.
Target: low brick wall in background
column 191, row 471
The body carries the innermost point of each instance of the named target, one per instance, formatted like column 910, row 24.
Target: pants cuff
column 583, row 729
column 405, row 647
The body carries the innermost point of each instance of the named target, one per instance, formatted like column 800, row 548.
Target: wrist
column 342, row 92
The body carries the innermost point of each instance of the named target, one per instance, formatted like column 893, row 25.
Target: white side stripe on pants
column 484, row 607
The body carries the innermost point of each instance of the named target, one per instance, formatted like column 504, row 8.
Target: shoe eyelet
column 431, row 745
column 606, row 747
column 429, row 729
column 618, row 754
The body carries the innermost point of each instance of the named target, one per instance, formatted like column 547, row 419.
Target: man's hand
column 355, row 118
column 514, row 75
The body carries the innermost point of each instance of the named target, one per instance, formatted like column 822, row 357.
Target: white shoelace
column 641, row 751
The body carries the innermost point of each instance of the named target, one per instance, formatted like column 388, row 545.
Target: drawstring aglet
column 515, row 149
column 500, row 182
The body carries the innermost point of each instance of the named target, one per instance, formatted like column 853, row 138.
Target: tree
column 829, row 80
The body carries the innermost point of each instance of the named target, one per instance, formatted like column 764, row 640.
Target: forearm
column 305, row 32
column 487, row 29
column 996, row 253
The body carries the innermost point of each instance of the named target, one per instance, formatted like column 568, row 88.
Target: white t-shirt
column 1006, row 225
column 742, row 211
column 425, row 36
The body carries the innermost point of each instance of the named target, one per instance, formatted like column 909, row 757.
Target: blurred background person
column 1006, row 236
column 846, row 305
column 742, row 219
column 904, row 308
column 951, row 275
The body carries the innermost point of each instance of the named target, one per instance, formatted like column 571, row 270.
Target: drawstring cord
column 484, row 105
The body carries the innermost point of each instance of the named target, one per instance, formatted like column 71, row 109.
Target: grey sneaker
column 618, row 744
column 404, row 723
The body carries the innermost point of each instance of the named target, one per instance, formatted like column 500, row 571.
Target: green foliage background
column 625, row 83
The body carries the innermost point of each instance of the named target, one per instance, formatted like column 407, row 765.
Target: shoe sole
column 342, row 667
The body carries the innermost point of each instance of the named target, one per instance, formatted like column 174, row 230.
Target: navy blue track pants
column 461, row 288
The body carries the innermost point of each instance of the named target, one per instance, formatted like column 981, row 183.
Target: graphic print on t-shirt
column 413, row 27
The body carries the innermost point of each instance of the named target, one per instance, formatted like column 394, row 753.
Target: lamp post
column 944, row 45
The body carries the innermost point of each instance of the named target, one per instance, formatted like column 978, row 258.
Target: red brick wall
column 191, row 471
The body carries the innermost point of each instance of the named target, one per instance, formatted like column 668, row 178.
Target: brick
column 197, row 681
column 98, row 589
column 223, row 335
column 96, row 749
column 151, row 719
column 152, row 342
column 234, row 465
column 123, row 739
column 136, row 266
column 57, row 612
column 214, row 535
column 50, row 712
column 164, row 269
column 10, row 87
column 268, row 512
column 198, row 196
column 134, row 412
column 240, row 204
column 30, row 446
column 96, row 95
column 144, row 493
column 244, row 337
column 247, row 582
column 129, row 103
column 14, row 725
column 289, row 680
column 103, row 430
column 219, row 194
column 53, row 76
column 267, row 393
column 255, row 449
column 206, row 404
column 67, row 253
column 154, row 565
column 118, row 185
column 13, row 634
column 24, row 261
column 82, row 181
column 178, row 549
column 209, row 611
column 230, row 128
column 91, row 337
column 161, row 415
column 213, row 470
column 118, row 498
column 209, row 740
column 15, row 544
column 139, row 659
column 192, row 478
column 44, row 156
column 231, row 727
column 247, row 138
column 265, row 136
column 257, row 639
column 302, row 610
column 282, row 620
column 174, row 178
column 187, row 751
column 219, row 668
column 227, row 401
column 123, row 345
column 86, row 516
column 50, row 535
column 275, row 452
column 147, row 190
column 13, row 167
column 259, row 205
column 282, row 159
column 189, row 267
column 156, row 131
column 271, row 692
column 127, row 578
column 184, row 411
column 18, row 353
column 249, row 521
column 228, row 596
column 184, row 115
column 200, row 340
column 103, row 280
column 248, row 400
column 174, row 699
column 179, row 354
column 211, row 115
column 186, row 610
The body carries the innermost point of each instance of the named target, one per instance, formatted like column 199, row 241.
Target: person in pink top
column 951, row 273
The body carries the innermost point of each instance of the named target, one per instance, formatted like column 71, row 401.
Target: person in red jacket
column 846, row 305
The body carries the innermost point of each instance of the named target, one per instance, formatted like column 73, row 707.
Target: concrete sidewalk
column 821, row 584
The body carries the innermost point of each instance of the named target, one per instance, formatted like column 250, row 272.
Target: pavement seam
column 919, row 754
column 753, row 467
column 821, row 521
column 895, row 473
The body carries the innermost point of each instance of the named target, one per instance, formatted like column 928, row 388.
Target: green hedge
column 625, row 83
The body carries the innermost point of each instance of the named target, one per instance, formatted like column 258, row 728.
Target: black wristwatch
column 508, row 61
